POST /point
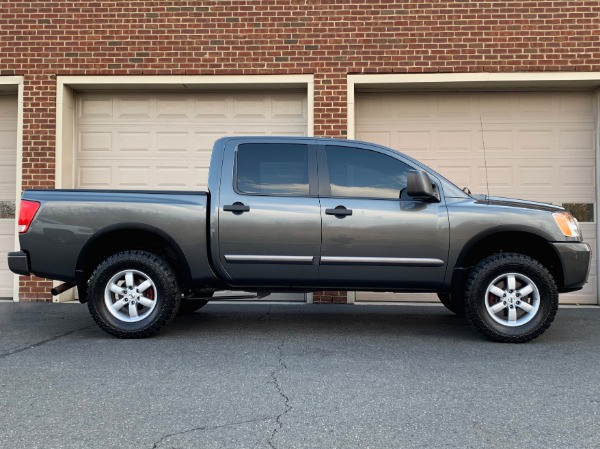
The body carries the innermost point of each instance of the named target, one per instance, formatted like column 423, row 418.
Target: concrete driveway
column 296, row 376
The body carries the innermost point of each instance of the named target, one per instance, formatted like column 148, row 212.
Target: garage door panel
column 536, row 176
column 7, row 180
column 90, row 142
column 287, row 109
column 8, row 173
column 251, row 108
column 577, row 175
column 173, row 109
column 132, row 110
column 459, row 107
column 174, row 142
column 137, row 142
column 95, row 108
column 580, row 140
column 211, row 107
column 576, row 105
column 538, row 145
column 532, row 141
column 94, row 177
column 534, row 105
column 498, row 142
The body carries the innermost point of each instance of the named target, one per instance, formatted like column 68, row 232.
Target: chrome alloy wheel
column 130, row 296
column 512, row 299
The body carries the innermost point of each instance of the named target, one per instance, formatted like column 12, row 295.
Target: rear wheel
column 511, row 298
column 133, row 294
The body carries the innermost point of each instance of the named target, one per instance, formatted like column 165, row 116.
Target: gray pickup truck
column 304, row 214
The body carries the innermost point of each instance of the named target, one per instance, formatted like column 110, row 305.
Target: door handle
column 236, row 207
column 339, row 211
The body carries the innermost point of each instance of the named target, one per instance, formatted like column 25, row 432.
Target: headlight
column 567, row 224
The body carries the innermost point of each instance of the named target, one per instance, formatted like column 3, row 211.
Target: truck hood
column 513, row 202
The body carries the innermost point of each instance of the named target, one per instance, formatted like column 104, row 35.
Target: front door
column 374, row 236
column 269, row 217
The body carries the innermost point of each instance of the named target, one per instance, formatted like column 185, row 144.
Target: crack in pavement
column 40, row 343
column 281, row 366
column 204, row 428
column 278, row 423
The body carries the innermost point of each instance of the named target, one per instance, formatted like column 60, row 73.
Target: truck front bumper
column 18, row 263
column 575, row 259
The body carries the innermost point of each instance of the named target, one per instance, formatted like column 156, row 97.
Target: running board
column 248, row 296
column 236, row 298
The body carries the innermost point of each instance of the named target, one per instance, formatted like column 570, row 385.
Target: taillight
column 27, row 211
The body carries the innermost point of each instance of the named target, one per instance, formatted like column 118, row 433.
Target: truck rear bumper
column 18, row 263
column 575, row 258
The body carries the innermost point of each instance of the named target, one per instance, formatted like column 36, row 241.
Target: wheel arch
column 512, row 240
column 132, row 236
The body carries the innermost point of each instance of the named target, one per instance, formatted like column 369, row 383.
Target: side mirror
column 419, row 186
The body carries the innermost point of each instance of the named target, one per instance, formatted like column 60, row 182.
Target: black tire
column 511, row 298
column 189, row 306
column 141, row 313
column 453, row 303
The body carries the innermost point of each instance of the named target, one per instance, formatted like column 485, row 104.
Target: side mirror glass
column 419, row 186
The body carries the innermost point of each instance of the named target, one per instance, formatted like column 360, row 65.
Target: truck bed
column 71, row 222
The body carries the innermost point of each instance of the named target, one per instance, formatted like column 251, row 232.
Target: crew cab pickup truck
column 304, row 214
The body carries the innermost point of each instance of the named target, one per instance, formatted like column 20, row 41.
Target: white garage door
column 8, row 177
column 164, row 140
column 539, row 146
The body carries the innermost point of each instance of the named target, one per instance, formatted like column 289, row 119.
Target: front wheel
column 133, row 294
column 511, row 297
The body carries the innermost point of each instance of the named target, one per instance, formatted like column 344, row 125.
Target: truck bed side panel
column 68, row 219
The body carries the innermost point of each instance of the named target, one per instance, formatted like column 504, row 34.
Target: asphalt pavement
column 296, row 376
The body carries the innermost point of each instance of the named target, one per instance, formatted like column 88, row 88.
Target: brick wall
column 329, row 39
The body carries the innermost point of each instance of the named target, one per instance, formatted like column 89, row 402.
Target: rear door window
column 272, row 169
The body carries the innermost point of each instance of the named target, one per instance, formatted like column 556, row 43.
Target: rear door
column 269, row 223
column 374, row 235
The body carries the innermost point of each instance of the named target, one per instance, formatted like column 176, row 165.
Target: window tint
column 365, row 174
column 272, row 169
